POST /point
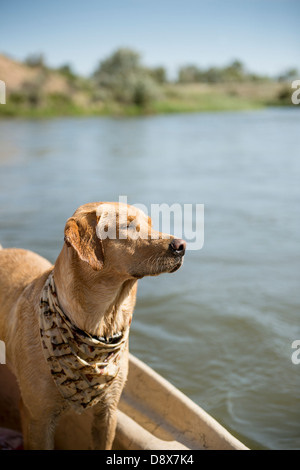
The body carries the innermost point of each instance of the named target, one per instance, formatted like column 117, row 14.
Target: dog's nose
column 178, row 246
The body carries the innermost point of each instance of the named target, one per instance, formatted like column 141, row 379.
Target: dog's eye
column 124, row 226
column 131, row 224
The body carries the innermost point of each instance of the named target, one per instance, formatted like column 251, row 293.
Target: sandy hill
column 16, row 75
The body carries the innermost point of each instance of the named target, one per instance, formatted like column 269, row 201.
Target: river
column 221, row 328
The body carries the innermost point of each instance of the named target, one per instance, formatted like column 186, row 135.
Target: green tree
column 188, row 74
column 66, row 71
column 234, row 72
column 159, row 74
column 128, row 82
column 35, row 60
column 212, row 75
column 119, row 64
column 289, row 75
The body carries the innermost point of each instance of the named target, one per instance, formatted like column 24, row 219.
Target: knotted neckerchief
column 81, row 365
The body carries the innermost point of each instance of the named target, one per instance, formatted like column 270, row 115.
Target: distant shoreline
column 177, row 99
column 122, row 86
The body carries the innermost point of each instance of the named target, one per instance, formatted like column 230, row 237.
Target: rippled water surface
column 221, row 328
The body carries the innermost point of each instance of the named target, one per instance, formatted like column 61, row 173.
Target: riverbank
column 36, row 91
column 174, row 98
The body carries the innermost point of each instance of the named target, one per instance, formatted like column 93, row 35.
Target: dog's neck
column 96, row 302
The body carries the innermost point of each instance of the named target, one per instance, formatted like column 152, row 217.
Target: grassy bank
column 198, row 98
column 122, row 86
column 173, row 98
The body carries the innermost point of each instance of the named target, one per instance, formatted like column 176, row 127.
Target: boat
column 152, row 415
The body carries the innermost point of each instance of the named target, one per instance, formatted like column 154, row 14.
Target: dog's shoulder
column 12, row 258
column 19, row 268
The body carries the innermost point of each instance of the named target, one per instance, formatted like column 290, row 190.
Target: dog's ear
column 80, row 234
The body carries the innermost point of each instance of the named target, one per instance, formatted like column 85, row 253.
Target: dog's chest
column 82, row 367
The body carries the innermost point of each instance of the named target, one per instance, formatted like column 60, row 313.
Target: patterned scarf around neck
column 82, row 366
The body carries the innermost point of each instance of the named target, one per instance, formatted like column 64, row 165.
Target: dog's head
column 120, row 238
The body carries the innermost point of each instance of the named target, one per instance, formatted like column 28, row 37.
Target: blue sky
column 264, row 34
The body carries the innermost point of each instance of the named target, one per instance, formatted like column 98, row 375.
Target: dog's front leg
column 104, row 427
column 38, row 432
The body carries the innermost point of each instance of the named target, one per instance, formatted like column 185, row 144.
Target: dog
column 66, row 326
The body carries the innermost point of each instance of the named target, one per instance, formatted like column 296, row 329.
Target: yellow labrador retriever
column 66, row 326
